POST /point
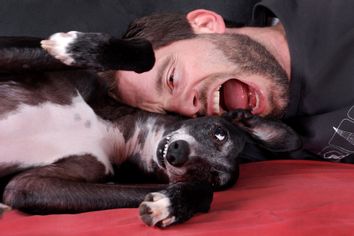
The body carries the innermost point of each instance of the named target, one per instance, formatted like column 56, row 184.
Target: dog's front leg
column 4, row 208
column 176, row 204
column 71, row 185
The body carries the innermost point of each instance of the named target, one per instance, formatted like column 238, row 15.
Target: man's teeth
column 251, row 105
column 216, row 101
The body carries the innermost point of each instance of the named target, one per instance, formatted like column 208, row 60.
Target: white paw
column 57, row 45
column 155, row 209
column 4, row 208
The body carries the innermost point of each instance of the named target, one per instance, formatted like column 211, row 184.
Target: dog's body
column 62, row 137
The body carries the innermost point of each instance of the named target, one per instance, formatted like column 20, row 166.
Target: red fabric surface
column 270, row 198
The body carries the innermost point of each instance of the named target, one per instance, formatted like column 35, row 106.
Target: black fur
column 106, row 53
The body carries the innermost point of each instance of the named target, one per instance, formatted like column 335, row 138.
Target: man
column 299, row 69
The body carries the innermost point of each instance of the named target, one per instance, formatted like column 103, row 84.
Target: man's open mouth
column 234, row 94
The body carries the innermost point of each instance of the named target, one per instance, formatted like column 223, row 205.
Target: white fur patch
column 4, row 207
column 147, row 149
column 159, row 209
column 57, row 45
column 42, row 134
column 154, row 136
column 265, row 133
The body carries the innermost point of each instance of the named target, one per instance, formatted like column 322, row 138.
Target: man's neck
column 273, row 38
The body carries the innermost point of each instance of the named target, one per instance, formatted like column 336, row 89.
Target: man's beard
column 250, row 57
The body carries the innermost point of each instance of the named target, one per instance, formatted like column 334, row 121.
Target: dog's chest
column 42, row 134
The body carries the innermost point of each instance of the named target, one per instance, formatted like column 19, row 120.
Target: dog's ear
column 271, row 134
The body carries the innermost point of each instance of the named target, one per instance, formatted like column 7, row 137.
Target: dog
column 67, row 146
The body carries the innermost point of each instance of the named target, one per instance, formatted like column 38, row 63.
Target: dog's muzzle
column 176, row 153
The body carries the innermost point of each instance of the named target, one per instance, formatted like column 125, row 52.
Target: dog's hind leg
column 100, row 51
column 22, row 54
column 71, row 185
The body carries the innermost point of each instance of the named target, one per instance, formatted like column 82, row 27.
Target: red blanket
column 270, row 198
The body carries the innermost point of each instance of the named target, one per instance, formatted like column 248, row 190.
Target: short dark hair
column 161, row 29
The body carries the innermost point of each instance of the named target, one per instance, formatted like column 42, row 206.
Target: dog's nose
column 177, row 153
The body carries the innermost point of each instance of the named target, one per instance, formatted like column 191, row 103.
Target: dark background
column 43, row 17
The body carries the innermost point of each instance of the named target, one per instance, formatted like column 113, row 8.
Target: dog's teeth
column 166, row 146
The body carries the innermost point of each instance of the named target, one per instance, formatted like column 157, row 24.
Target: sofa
column 277, row 197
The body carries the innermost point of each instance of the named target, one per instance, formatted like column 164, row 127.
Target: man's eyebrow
column 160, row 73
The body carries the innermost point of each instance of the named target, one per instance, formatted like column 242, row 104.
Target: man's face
column 194, row 77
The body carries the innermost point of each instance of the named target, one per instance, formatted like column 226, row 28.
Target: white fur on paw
column 4, row 207
column 156, row 209
column 57, row 45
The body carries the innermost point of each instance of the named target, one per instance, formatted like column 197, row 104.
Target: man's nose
column 188, row 105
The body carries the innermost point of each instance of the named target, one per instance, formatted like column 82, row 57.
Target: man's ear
column 205, row 21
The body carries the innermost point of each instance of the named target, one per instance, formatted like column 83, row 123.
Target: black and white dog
column 64, row 139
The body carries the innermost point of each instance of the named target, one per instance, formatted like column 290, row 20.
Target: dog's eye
column 220, row 134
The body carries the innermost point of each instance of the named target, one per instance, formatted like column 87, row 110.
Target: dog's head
column 206, row 148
